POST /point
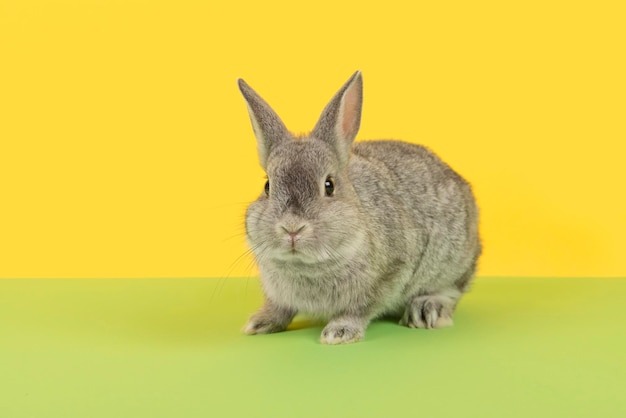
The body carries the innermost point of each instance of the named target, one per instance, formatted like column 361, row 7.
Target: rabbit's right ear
column 341, row 118
column 268, row 128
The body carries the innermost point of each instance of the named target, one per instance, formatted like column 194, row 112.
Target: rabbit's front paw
column 341, row 333
column 263, row 325
column 269, row 319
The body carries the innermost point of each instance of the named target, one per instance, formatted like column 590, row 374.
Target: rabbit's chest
column 314, row 294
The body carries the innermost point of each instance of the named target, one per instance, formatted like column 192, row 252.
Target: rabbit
column 348, row 233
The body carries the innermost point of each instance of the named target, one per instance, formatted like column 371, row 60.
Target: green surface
column 172, row 348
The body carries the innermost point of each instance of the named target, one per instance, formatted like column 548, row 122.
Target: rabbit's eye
column 267, row 188
column 329, row 186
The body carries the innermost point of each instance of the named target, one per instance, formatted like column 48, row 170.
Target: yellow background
column 126, row 149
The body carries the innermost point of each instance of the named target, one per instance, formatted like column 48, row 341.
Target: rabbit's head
column 309, row 211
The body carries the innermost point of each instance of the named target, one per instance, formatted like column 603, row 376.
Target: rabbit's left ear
column 268, row 128
column 341, row 118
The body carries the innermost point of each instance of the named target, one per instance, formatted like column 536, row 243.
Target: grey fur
column 399, row 236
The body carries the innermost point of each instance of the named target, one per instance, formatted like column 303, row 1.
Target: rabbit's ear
column 341, row 118
column 268, row 128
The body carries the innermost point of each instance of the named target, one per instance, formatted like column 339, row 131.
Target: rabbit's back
column 423, row 212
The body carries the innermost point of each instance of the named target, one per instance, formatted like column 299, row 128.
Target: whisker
column 222, row 281
column 241, row 257
column 237, row 235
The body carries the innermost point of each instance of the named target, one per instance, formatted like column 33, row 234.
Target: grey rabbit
column 350, row 232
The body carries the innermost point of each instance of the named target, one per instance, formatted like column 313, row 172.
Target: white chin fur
column 297, row 256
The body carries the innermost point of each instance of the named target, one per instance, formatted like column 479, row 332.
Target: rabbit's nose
column 293, row 230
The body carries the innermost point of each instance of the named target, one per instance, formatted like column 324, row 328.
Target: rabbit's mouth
column 295, row 255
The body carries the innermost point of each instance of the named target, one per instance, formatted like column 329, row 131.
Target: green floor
column 172, row 348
